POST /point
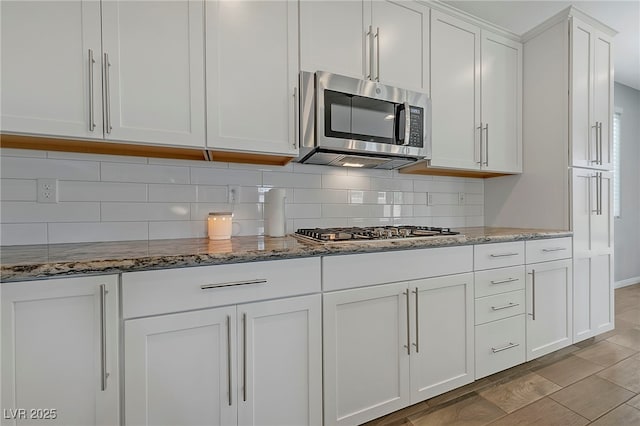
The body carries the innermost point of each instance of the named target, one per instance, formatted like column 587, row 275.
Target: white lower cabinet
column 392, row 345
column 250, row 364
column 549, row 308
column 60, row 352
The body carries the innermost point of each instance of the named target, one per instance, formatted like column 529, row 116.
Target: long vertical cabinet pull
column 597, row 149
column 600, row 144
column 600, row 192
column 229, row 359
column 295, row 118
column 377, row 37
column 417, row 343
column 486, row 144
column 92, row 124
column 244, row 356
column 103, row 338
column 596, row 210
column 107, row 96
column 408, row 345
column 481, row 143
column 533, row 294
column 369, row 37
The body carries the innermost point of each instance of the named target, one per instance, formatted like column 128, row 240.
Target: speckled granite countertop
column 48, row 261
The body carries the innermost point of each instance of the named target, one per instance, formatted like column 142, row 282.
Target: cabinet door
column 180, row 368
column 603, row 96
column 60, row 349
column 443, row 351
column 455, row 92
column 154, row 78
column 333, row 37
column 280, row 362
column 583, row 131
column 252, row 73
column 46, row 64
column 549, row 307
column 592, row 295
column 365, row 346
column 501, row 103
column 401, row 44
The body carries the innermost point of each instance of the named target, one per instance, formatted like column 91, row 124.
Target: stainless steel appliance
column 361, row 123
column 373, row 233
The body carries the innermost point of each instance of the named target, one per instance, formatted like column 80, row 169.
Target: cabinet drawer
column 499, row 306
column 173, row 290
column 500, row 345
column 551, row 249
column 499, row 255
column 360, row 270
column 502, row 280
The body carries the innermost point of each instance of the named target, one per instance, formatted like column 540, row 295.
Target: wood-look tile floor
column 594, row 382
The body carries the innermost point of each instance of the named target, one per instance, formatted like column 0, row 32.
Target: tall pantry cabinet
column 566, row 184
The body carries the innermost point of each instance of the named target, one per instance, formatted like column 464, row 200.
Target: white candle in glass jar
column 219, row 225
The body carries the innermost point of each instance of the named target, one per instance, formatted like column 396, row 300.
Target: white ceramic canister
column 274, row 218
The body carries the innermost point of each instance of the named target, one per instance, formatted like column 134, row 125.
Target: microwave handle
column 403, row 138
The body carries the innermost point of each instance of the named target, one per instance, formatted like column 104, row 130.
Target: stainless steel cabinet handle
column 233, row 283
column 504, row 348
column 486, row 144
column 229, row 358
column 295, row 118
column 600, row 191
column 508, row 280
column 533, row 294
column 510, row 305
column 481, row 143
column 107, row 97
column 377, row 37
column 504, row 254
column 548, row 250
column 244, row 356
column 600, row 142
column 597, row 185
column 417, row 343
column 369, row 36
column 103, row 338
column 597, row 160
column 92, row 124
column 408, row 345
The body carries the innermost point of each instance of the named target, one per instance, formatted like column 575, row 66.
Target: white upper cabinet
column 46, row 86
column 591, row 86
column 252, row 74
column 384, row 41
column 455, row 92
column 154, row 71
column 501, row 103
column 476, row 92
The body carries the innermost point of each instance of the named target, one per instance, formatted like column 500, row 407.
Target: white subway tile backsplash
column 290, row 180
column 346, row 182
column 169, row 193
column 33, row 168
column 143, row 173
column 123, row 212
column 97, row 231
column 177, row 229
column 29, row 211
column 215, row 176
column 18, row 190
column 105, row 198
column 23, row 233
column 72, row 190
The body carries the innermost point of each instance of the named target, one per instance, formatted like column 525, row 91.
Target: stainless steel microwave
column 361, row 123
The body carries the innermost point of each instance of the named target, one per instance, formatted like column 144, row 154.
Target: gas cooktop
column 373, row 233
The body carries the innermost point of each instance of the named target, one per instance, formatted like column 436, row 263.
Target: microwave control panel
column 416, row 116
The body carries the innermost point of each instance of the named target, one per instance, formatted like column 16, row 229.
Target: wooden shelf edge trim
column 421, row 168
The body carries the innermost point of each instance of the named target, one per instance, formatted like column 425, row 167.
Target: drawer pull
column 510, row 305
column 504, row 254
column 508, row 280
column 553, row 249
column 504, row 348
column 232, row 283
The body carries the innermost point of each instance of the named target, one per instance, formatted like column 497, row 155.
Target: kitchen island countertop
column 21, row 263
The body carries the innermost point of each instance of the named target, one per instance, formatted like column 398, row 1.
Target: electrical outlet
column 233, row 194
column 429, row 199
column 47, row 190
column 461, row 198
